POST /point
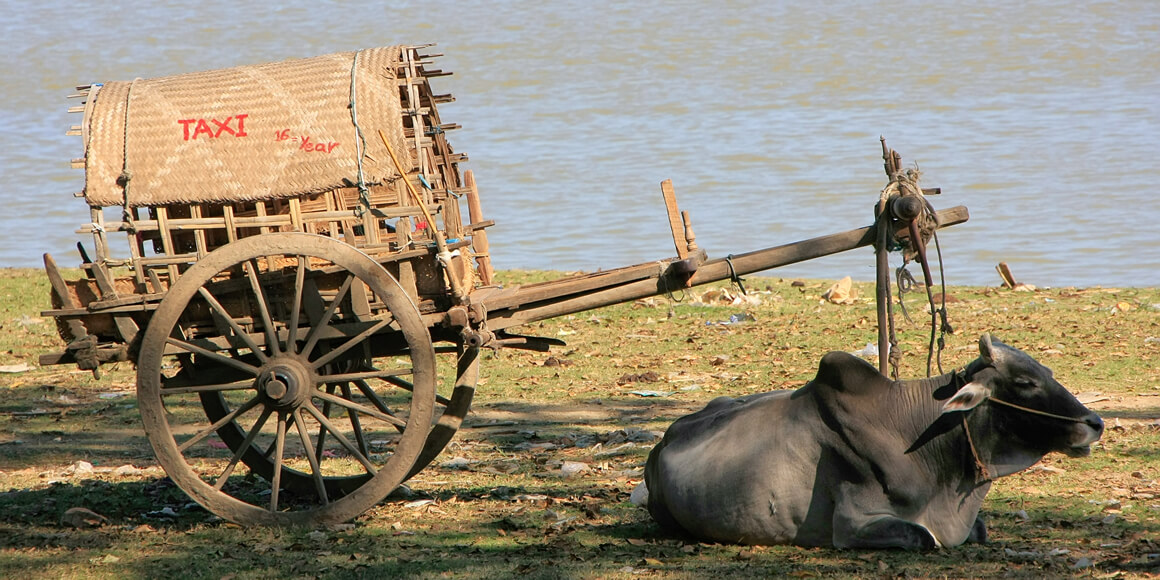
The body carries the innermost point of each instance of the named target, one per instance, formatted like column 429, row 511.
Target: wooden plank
column 199, row 233
column 166, row 239
column 60, row 288
column 228, row 218
column 675, row 223
column 126, row 327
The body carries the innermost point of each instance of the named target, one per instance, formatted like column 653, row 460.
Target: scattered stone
column 165, row 512
column 572, row 468
column 456, row 463
column 79, row 517
column 79, row 468
column 126, row 470
column 651, row 393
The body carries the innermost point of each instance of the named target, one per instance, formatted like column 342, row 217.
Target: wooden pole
column 479, row 244
column 568, row 302
column 444, row 257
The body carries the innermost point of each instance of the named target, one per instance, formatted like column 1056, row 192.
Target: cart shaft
column 570, row 296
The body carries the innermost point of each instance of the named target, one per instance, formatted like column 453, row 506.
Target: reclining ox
column 854, row 460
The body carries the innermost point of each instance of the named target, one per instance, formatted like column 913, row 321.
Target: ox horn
column 986, row 349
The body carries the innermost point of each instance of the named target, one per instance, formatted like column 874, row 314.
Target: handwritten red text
column 304, row 142
column 234, row 125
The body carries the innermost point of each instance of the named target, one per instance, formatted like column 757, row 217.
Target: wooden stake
column 675, row 223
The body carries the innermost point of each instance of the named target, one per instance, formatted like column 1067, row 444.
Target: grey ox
column 855, row 460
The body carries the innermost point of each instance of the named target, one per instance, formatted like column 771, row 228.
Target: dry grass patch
column 536, row 484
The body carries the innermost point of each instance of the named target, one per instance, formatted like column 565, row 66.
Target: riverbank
column 536, row 483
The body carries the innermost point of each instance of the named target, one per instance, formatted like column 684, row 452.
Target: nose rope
column 982, row 467
column 1037, row 411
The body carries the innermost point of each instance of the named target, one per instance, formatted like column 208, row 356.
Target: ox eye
column 1024, row 383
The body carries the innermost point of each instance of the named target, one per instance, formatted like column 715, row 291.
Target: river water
column 1042, row 117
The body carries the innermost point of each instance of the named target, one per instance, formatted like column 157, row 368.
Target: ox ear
column 986, row 349
column 967, row 398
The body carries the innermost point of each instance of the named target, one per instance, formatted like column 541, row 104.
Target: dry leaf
column 842, row 292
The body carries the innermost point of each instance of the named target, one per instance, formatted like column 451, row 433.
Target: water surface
column 1042, row 118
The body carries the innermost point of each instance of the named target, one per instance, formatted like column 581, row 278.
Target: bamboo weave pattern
column 248, row 133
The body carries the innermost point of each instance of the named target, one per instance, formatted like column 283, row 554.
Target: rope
column 364, row 194
column 734, row 277
column 662, row 268
column 982, row 467
column 126, row 175
column 971, row 442
column 945, row 327
column 1037, row 411
column 905, row 281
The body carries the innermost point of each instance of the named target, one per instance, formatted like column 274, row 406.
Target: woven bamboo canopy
column 248, row 133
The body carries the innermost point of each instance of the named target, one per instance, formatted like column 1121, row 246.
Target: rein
column 1036, row 411
column 971, row 443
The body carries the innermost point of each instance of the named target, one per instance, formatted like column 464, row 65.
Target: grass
column 496, row 503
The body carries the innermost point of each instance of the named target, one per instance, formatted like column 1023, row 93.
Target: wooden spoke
column 310, row 408
column 315, row 332
column 363, row 375
column 373, row 397
column 251, row 268
column 406, row 385
column 200, row 435
column 221, row 480
column 215, row 356
column 355, row 422
column 387, row 417
column 233, row 324
column 321, row 430
column 279, row 450
column 315, row 468
column 296, row 307
column 355, row 340
column 211, row 388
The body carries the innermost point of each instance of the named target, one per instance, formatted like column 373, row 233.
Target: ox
column 855, row 460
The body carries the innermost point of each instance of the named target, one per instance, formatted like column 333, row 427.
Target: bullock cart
column 302, row 297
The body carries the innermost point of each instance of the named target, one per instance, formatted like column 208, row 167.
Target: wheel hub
column 286, row 383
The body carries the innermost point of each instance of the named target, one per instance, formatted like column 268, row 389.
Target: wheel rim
column 314, row 374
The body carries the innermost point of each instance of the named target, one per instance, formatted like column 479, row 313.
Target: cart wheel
column 313, row 368
column 454, row 407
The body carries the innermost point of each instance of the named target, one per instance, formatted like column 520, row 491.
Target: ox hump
column 846, row 373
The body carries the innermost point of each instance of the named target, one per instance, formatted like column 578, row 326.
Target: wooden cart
column 303, row 301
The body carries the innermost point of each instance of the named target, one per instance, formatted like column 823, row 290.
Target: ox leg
column 884, row 532
column 978, row 533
